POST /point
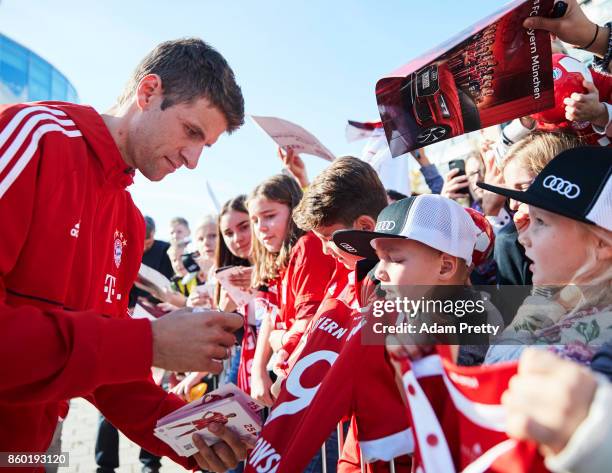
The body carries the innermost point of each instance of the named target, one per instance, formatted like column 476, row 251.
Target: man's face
column 325, row 233
column 148, row 242
column 161, row 141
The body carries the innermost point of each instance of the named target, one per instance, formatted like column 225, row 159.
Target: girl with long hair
column 286, row 260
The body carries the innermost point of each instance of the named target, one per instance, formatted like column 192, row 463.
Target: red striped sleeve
column 21, row 129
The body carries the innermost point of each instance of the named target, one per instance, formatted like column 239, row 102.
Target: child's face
column 176, row 255
column 518, row 178
column 329, row 248
column 406, row 263
column 269, row 219
column 206, row 240
column 236, row 230
column 474, row 174
column 557, row 245
column 178, row 232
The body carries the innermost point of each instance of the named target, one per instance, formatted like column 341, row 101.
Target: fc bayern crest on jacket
column 118, row 245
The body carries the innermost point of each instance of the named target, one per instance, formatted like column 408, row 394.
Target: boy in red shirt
column 361, row 382
column 348, row 194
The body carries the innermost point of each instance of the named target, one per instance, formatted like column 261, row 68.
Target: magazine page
column 490, row 73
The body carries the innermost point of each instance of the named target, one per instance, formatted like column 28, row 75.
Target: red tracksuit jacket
column 71, row 241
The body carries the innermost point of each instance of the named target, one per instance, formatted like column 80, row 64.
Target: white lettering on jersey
column 360, row 323
column 109, row 288
column 264, row 452
column 328, row 325
column 294, row 385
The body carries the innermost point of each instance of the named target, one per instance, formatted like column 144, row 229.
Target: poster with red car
column 490, row 73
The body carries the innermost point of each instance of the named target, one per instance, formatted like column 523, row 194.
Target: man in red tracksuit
column 71, row 242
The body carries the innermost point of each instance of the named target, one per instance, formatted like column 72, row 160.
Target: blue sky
column 312, row 62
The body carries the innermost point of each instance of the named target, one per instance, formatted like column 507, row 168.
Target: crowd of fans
column 530, row 207
column 286, row 236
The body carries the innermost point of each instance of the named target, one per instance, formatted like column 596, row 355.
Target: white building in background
column 26, row 77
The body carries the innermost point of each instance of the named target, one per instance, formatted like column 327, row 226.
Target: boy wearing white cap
column 422, row 242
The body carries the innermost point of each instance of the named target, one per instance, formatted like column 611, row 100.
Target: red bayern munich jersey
column 325, row 337
column 304, row 280
column 360, row 382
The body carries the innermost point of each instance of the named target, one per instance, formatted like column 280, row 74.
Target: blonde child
column 568, row 242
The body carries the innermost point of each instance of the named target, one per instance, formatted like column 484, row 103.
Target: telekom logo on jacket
column 110, row 282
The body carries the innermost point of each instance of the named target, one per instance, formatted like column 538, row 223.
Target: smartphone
column 459, row 164
column 223, row 268
column 558, row 9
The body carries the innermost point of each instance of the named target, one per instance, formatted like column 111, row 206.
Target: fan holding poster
column 288, row 135
column 488, row 74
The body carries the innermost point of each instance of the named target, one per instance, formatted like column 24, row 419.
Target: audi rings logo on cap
column 348, row 247
column 385, row 226
column 561, row 186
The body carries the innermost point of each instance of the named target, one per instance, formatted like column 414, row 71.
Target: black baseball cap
column 576, row 184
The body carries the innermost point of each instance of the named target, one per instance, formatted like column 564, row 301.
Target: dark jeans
column 107, row 450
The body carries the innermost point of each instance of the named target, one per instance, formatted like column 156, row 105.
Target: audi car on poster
column 440, row 108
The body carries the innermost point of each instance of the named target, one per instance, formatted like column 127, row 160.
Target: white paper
column 228, row 405
column 238, row 295
column 152, row 281
column 394, row 173
column 141, row 313
column 289, row 135
column 178, row 434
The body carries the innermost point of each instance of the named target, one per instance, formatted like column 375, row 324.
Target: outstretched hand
column 548, row 399
column 573, row 27
column 294, row 164
column 223, row 455
column 194, row 341
column 586, row 107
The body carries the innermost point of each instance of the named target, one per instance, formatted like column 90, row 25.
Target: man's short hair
column 191, row 69
column 347, row 189
column 179, row 221
column 149, row 226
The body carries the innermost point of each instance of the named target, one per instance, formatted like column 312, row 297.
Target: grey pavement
column 79, row 437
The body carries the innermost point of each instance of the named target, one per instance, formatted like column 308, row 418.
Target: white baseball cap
column 431, row 219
